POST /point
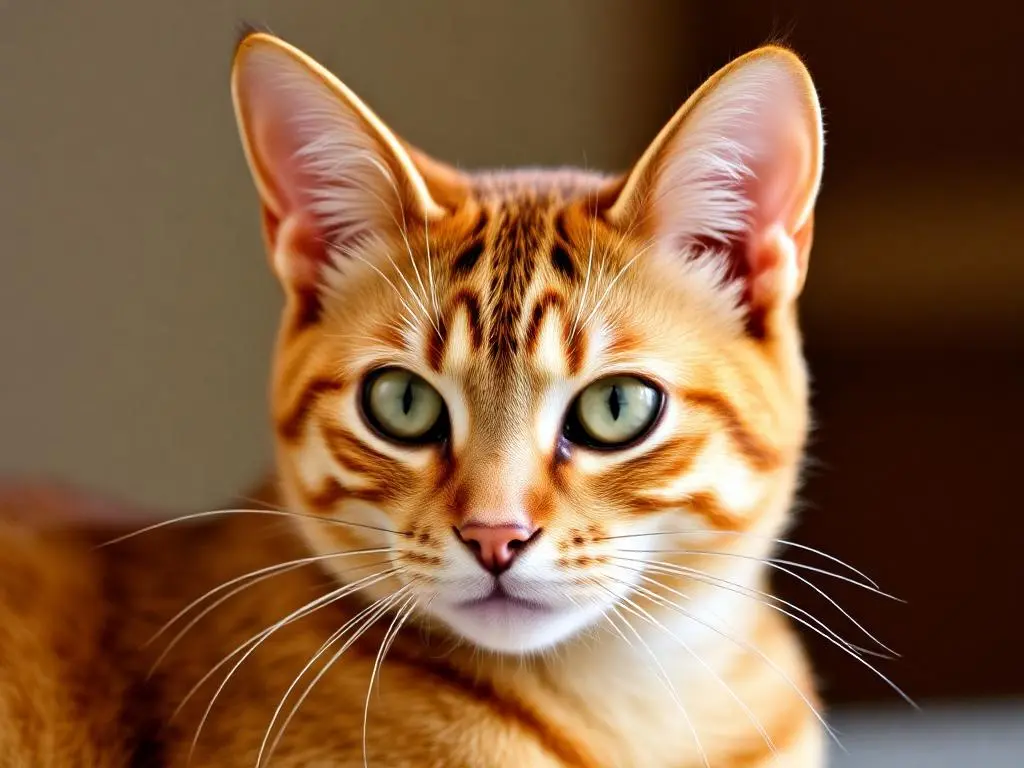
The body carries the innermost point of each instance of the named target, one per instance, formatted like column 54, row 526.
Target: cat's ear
column 330, row 174
column 734, row 176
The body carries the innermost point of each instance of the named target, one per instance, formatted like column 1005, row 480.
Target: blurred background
column 136, row 312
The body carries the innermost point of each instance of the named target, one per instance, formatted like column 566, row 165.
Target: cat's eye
column 614, row 412
column 403, row 407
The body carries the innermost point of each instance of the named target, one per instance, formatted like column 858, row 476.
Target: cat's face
column 519, row 384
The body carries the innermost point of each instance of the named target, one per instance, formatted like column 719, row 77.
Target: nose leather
column 495, row 546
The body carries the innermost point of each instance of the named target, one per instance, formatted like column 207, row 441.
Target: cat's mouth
column 511, row 615
column 500, row 599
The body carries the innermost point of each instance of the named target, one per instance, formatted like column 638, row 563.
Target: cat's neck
column 626, row 685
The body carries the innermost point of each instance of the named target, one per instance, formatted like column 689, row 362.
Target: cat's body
column 497, row 399
column 77, row 689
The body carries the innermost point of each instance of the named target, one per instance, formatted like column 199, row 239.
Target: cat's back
column 83, row 594
column 60, row 692
column 73, row 616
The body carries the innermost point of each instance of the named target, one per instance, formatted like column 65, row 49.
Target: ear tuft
column 244, row 29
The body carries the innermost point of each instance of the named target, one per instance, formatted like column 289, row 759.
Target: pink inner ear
column 273, row 100
column 781, row 179
column 306, row 247
column 738, row 179
column 324, row 178
column 782, row 187
column 286, row 118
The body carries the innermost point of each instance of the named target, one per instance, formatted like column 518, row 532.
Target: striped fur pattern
column 634, row 628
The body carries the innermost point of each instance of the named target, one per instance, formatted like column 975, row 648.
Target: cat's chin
column 508, row 625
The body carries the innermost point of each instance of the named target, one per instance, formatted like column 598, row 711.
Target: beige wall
column 135, row 310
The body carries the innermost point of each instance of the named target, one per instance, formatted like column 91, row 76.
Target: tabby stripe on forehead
column 513, row 260
column 545, row 302
column 466, row 261
column 561, row 258
column 438, row 342
column 576, row 347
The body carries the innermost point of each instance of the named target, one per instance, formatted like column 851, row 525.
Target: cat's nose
column 496, row 546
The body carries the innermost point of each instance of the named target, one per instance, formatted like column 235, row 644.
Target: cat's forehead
column 536, row 187
column 525, row 216
column 511, row 291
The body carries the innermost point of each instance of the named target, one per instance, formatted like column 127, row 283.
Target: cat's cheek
column 720, row 490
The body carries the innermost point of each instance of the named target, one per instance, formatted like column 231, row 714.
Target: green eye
column 613, row 412
column 403, row 407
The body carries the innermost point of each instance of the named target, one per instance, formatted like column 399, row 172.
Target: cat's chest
column 294, row 702
column 644, row 716
column 416, row 715
column 655, row 702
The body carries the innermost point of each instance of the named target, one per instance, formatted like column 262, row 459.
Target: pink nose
column 495, row 546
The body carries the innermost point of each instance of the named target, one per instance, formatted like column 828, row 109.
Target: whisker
column 382, row 606
column 261, row 503
column 403, row 230
column 619, row 632
column 586, row 280
column 403, row 613
column 256, row 640
column 611, row 285
column 852, row 654
column 664, row 678
column 218, row 512
column 707, row 578
column 761, row 655
column 217, row 603
column 350, row 253
column 261, row 574
column 700, row 660
column 408, row 247
column 772, row 562
column 408, row 325
column 744, row 534
column 430, row 267
column 769, row 601
column 269, row 570
column 334, row 637
column 419, row 301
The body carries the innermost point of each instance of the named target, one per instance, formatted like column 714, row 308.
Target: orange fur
column 508, row 293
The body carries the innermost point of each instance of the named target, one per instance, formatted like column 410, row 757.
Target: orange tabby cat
column 536, row 434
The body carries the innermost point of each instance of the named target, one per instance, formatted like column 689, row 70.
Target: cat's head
column 522, row 383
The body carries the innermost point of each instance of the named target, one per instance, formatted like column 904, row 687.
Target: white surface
column 967, row 736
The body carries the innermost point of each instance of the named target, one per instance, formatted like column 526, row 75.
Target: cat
column 537, row 434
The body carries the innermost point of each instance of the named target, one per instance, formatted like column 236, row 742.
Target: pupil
column 614, row 403
column 407, row 399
